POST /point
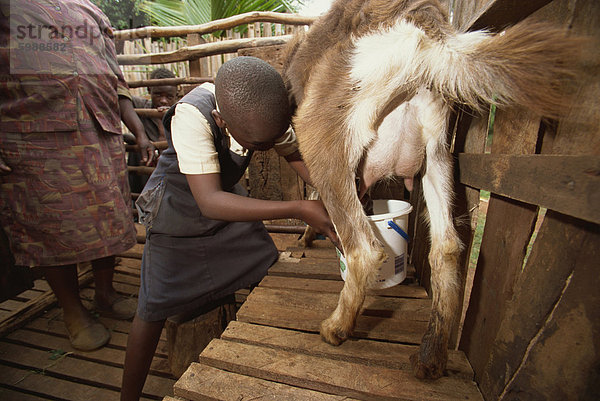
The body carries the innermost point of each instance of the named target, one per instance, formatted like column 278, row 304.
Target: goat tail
column 526, row 65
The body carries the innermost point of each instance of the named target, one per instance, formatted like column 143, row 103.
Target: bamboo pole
column 206, row 49
column 222, row 24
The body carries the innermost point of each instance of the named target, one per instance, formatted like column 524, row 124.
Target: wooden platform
column 274, row 351
column 37, row 361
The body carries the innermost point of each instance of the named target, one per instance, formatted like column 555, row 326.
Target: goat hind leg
column 430, row 361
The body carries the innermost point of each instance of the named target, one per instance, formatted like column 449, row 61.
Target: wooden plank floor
column 37, row 361
column 273, row 349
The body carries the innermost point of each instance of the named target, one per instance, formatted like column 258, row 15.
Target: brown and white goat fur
column 373, row 81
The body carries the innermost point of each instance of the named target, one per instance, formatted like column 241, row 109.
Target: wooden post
column 198, row 67
column 187, row 337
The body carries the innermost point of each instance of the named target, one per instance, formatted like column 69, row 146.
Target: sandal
column 122, row 308
column 90, row 337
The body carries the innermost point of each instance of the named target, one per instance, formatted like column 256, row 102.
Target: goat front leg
column 309, row 235
column 430, row 361
column 364, row 254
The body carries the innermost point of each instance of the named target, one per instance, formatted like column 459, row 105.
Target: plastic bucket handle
column 397, row 228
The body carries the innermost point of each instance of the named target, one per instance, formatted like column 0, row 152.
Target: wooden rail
column 226, row 23
column 169, row 81
column 202, row 50
column 565, row 183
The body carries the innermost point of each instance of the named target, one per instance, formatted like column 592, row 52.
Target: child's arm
column 220, row 205
column 134, row 124
column 295, row 161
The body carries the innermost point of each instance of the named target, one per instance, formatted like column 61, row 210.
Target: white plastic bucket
column 390, row 223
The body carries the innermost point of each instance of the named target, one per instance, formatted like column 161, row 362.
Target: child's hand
column 315, row 215
column 147, row 150
column 4, row 169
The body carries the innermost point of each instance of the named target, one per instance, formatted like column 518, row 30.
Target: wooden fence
column 531, row 319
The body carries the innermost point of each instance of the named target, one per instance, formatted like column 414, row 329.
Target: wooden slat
column 114, row 354
column 553, row 319
column 225, row 23
column 75, row 370
column 332, row 376
column 45, row 386
column 325, row 252
column 335, row 286
column 567, row 184
column 497, row 14
column 509, row 226
column 53, row 324
column 208, row 383
column 129, row 265
column 306, row 268
column 368, row 352
column 28, row 295
column 202, row 50
column 402, row 320
column 143, row 83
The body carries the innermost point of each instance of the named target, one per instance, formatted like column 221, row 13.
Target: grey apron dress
column 190, row 260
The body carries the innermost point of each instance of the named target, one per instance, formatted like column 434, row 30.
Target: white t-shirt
column 194, row 143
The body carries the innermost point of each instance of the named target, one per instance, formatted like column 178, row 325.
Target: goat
column 374, row 82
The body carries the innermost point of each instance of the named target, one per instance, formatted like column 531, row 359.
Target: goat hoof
column 304, row 243
column 332, row 335
column 423, row 371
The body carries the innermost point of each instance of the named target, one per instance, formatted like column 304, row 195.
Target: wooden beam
column 202, row 50
column 140, row 170
column 566, row 184
column 150, row 113
column 222, row 24
column 498, row 14
column 169, row 81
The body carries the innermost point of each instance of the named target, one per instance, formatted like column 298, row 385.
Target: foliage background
column 126, row 14
column 123, row 14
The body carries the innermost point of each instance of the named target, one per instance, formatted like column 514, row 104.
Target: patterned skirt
column 67, row 199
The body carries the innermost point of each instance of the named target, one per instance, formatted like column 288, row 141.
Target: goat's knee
column 362, row 270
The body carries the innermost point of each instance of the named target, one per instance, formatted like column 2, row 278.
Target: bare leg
column 108, row 302
column 103, row 276
column 141, row 346
column 64, row 284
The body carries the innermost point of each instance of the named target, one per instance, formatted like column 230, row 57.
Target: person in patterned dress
column 64, row 196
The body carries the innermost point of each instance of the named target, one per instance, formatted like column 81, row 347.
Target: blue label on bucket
column 399, row 264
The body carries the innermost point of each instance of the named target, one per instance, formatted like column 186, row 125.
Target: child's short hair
column 161, row 73
column 248, row 87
